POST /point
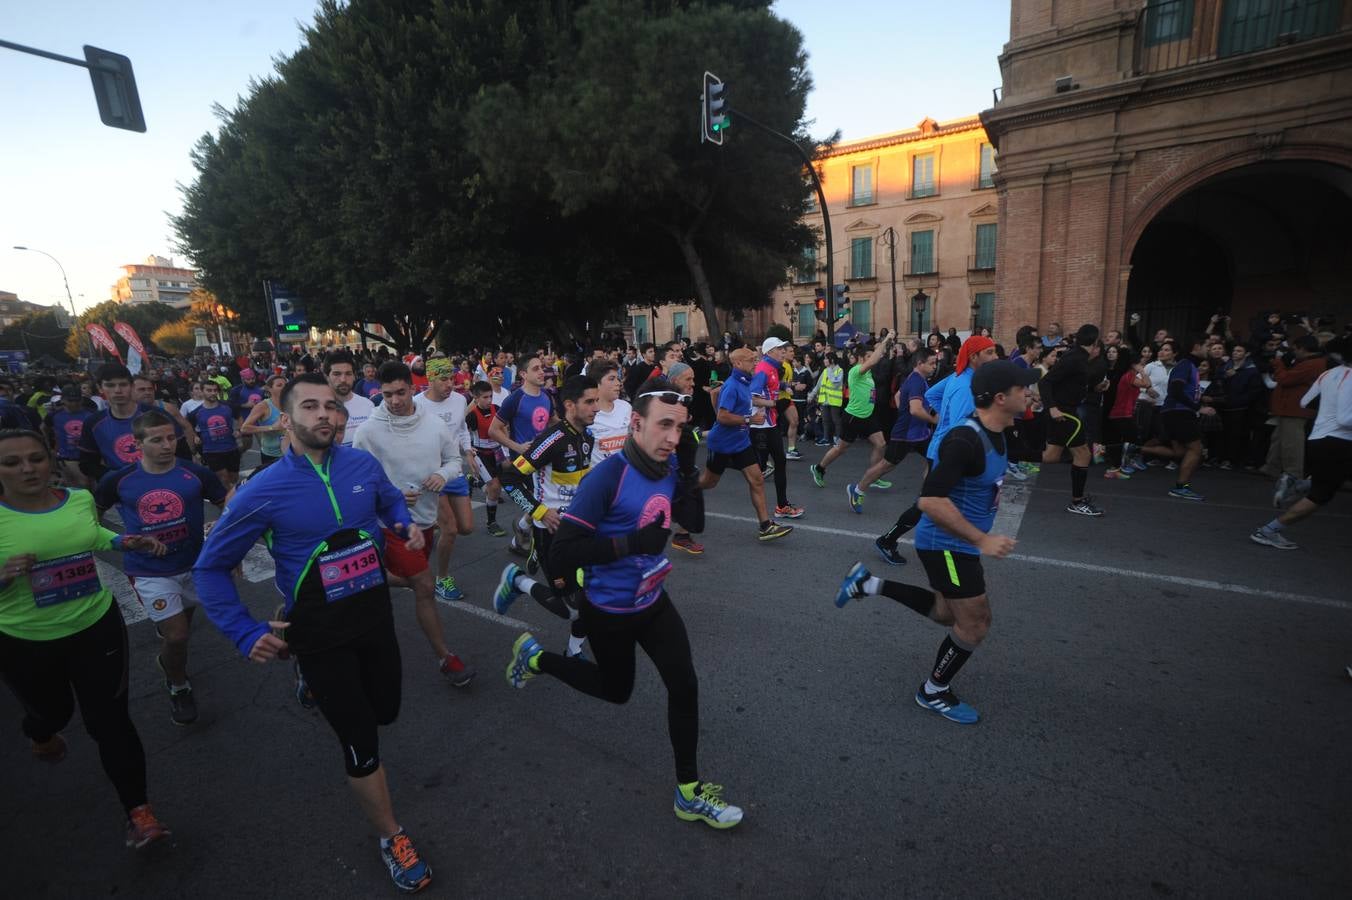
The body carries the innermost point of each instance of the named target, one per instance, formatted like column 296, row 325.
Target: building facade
column 914, row 221
column 12, row 309
column 1174, row 158
column 157, row 280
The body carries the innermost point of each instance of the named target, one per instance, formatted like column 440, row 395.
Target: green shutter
column 922, row 176
column 807, row 319
column 985, row 246
column 922, row 252
column 985, row 314
column 861, row 314
column 861, row 258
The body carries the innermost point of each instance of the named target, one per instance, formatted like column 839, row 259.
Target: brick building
column 1174, row 158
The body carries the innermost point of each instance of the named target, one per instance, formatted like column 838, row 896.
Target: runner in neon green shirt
column 858, row 418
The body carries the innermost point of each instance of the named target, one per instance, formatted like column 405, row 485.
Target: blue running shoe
column 409, row 873
column 447, row 590
column 948, row 706
column 705, row 804
column 507, row 592
column 519, row 670
column 852, row 588
column 855, row 497
column 889, row 554
column 1185, row 492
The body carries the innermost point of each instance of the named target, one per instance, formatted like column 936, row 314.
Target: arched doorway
column 1270, row 235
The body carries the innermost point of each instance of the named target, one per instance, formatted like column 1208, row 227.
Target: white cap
column 772, row 343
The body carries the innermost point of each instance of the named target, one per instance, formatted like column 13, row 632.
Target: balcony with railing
column 1175, row 33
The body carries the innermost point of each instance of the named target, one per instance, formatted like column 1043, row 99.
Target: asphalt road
column 1165, row 708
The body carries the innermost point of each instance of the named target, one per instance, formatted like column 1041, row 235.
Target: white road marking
column 114, row 580
column 1202, row 583
column 490, row 615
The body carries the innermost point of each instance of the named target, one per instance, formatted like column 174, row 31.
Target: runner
column 369, row 386
column 615, row 531
column 326, row 541
column 959, row 502
column 242, row 399
column 521, row 418
column 489, row 453
column 454, row 514
column 765, row 436
column 62, row 637
column 911, row 431
column 215, row 431
column 730, row 441
column 610, row 429
column 265, row 420
column 161, row 497
column 64, row 427
column 688, row 504
column 1178, row 419
column 143, row 390
column 1328, row 455
column 561, row 456
column 338, row 368
column 1063, row 390
column 858, row 418
column 106, row 441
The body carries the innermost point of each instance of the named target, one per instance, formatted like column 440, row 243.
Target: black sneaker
column 889, row 554
column 1084, row 508
column 182, row 707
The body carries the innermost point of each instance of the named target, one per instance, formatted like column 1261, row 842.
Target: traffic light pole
column 826, row 218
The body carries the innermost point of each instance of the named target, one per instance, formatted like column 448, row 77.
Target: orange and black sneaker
column 688, row 543
column 409, row 873
column 143, row 828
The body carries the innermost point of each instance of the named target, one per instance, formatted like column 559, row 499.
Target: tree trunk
column 706, row 298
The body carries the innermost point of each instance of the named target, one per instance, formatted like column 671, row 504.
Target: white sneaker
column 1274, row 539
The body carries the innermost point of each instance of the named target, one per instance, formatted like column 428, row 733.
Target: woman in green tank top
column 264, row 420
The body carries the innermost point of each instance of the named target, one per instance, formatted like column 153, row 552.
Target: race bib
column 170, row 536
column 63, row 579
column 350, row 570
column 652, row 579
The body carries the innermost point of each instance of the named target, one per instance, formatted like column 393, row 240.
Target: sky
column 97, row 198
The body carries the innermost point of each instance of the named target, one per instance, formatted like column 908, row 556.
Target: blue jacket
column 952, row 400
column 294, row 507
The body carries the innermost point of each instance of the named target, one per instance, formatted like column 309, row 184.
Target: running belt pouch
column 687, row 507
column 316, row 623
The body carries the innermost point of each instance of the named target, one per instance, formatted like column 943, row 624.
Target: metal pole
column 69, row 299
column 891, row 234
column 826, row 219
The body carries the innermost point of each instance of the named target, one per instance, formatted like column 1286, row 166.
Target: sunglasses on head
column 668, row 397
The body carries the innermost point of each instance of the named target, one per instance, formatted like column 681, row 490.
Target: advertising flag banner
column 130, row 336
column 100, row 336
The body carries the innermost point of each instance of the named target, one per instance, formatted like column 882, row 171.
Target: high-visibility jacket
column 831, row 386
column 785, row 381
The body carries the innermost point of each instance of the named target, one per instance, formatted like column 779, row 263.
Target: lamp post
column 891, row 242
column 918, row 303
column 66, row 282
column 791, row 315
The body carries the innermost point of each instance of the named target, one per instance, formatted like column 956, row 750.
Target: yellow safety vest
column 785, row 381
column 828, row 393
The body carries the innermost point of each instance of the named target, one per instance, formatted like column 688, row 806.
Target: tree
column 39, row 333
column 175, row 338
column 144, row 317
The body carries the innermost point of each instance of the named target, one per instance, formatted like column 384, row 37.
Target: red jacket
column 1292, row 383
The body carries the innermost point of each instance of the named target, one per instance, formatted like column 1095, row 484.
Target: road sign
column 286, row 313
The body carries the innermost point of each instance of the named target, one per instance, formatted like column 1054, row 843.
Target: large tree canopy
column 516, row 168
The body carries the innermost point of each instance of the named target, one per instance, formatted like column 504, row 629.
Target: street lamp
column 65, row 281
column 918, row 303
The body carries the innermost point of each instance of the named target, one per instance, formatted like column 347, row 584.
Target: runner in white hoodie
column 408, row 443
column 454, row 514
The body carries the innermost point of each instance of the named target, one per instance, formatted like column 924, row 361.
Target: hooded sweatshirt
column 409, row 449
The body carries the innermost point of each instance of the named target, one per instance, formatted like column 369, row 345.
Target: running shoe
column 773, row 532
column 495, row 529
column 519, row 670
column 1015, row 472
column 1185, row 492
column 446, row 590
column 889, row 554
column 856, row 498
column 789, row 512
column 1171, row 466
column 182, row 706
column 304, row 696
column 52, row 750
column 507, row 591
column 409, row 873
column 1128, row 449
column 1225, row 465
column 881, row 484
column 792, row 453
column 1098, row 457
column 947, row 705
column 1283, row 488
column 143, row 828
column 1117, row 473
column 852, row 588
column 455, row 670
column 769, row 470
column 1275, row 539
column 516, row 549
column 1138, row 465
column 688, row 544
column 818, row 475
column 705, row 803
column 822, row 442
column 1030, row 468
column 1083, row 508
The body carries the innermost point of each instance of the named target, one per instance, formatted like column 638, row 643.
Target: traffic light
column 713, row 119
column 821, row 303
column 115, row 89
column 842, row 302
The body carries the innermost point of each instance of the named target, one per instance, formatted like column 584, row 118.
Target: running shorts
column 490, row 460
column 955, row 576
column 164, row 596
column 1067, row 431
column 1329, row 462
column 406, row 563
column 457, row 487
column 896, row 451
column 853, row 428
column 742, row 459
column 1180, row 426
column 225, row 461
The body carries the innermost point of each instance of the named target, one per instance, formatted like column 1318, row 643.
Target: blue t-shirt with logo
column 908, row 427
column 166, row 506
column 68, row 426
column 241, row 394
column 111, row 437
column 215, row 427
column 526, row 416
